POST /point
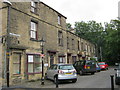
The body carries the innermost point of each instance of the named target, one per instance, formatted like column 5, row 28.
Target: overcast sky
column 85, row 10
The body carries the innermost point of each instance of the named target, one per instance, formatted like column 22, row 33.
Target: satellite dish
column 8, row 2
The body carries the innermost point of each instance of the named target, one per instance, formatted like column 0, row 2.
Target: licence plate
column 88, row 67
column 68, row 73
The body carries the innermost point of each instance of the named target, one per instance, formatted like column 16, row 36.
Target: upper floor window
column 68, row 43
column 33, row 31
column 82, row 46
column 34, row 6
column 60, row 38
column 78, row 45
column 73, row 44
column 59, row 20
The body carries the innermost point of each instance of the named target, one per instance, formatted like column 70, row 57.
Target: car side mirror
column 115, row 69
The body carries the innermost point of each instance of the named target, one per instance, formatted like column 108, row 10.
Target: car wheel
column 92, row 73
column 116, row 82
column 81, row 72
column 74, row 80
column 46, row 76
column 55, row 78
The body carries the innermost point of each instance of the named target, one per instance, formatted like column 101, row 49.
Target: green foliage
column 112, row 41
column 89, row 30
column 108, row 38
column 69, row 26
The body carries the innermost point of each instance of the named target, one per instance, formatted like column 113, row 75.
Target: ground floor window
column 34, row 63
column 61, row 59
column 16, row 63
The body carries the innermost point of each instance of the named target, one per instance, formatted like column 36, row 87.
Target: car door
column 76, row 66
column 49, row 74
column 54, row 71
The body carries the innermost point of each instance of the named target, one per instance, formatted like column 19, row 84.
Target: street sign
column 13, row 34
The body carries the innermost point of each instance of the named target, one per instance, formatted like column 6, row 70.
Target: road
column 98, row 80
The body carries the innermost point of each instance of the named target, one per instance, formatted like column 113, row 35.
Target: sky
column 85, row 10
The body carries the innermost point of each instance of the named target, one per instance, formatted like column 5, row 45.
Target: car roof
column 101, row 62
column 61, row 64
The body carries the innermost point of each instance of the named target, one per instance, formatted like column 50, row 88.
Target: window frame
column 33, row 63
column 63, row 59
column 33, row 30
column 60, row 38
column 34, row 7
column 68, row 44
column 19, row 63
column 78, row 45
column 59, row 20
column 73, row 45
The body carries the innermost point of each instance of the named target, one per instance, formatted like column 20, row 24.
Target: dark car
column 117, row 75
column 98, row 69
column 85, row 66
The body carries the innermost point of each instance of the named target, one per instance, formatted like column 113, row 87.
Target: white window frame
column 59, row 20
column 61, row 59
column 33, row 31
column 33, row 7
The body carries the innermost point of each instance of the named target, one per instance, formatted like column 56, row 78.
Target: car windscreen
column 101, row 63
column 66, row 67
column 90, row 63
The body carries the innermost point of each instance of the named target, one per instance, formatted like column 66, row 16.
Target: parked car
column 117, row 75
column 85, row 66
column 66, row 72
column 103, row 65
column 98, row 69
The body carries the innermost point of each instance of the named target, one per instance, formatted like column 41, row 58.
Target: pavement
column 33, row 84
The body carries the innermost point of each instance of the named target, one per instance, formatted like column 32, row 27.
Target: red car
column 103, row 65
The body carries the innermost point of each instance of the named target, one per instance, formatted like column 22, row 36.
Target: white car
column 65, row 72
column 117, row 75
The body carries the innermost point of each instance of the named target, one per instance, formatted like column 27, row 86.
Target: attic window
column 59, row 20
column 34, row 6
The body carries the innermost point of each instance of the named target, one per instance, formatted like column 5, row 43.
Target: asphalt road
column 98, row 80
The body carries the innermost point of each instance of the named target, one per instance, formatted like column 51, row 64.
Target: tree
column 91, row 31
column 112, row 41
column 69, row 26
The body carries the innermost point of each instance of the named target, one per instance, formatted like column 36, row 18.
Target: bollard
column 57, row 81
column 112, row 82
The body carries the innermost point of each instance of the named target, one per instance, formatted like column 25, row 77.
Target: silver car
column 66, row 72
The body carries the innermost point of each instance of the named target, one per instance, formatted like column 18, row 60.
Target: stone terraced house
column 26, row 23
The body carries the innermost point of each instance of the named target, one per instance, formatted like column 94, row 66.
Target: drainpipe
column 8, row 41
